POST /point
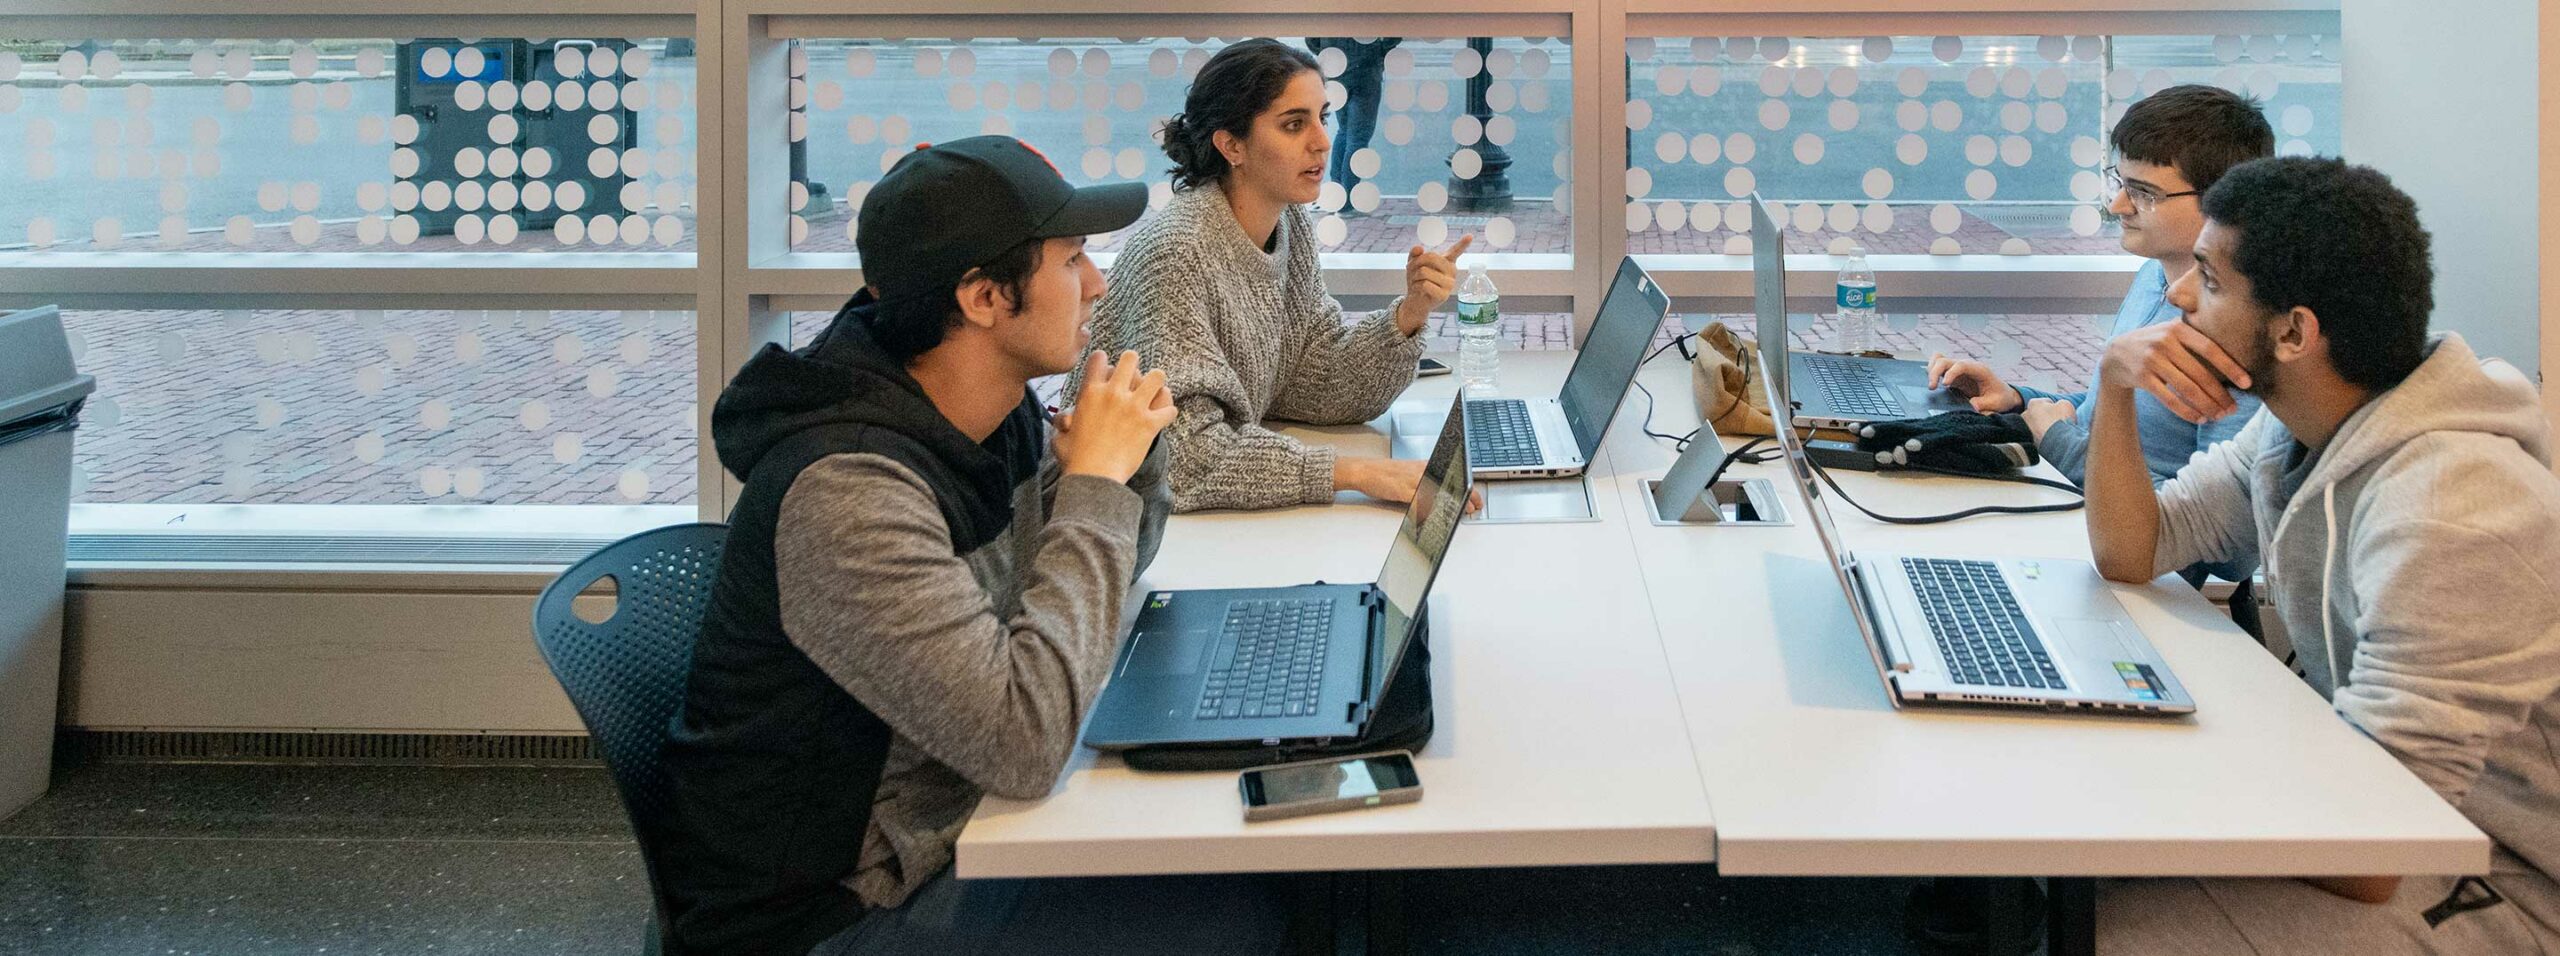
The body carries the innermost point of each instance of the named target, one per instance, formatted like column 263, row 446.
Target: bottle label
column 1486, row 312
column 1853, row 297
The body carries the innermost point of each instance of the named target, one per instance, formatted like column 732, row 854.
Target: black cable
column 1743, row 454
column 1825, row 475
column 1678, row 442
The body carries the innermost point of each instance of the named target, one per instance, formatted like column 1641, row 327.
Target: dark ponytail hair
column 1233, row 87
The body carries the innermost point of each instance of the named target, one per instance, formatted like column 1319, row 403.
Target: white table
column 1813, row 772
column 1590, row 675
column 1559, row 739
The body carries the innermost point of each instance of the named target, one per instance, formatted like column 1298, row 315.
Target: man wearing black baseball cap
column 921, row 591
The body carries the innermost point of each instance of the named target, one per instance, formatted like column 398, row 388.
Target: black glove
column 1965, row 442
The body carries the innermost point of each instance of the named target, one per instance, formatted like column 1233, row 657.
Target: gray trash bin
column 40, row 396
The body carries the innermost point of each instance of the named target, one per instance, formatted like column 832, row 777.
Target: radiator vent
column 215, row 746
column 330, row 549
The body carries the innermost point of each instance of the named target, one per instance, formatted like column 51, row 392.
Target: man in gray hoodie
column 2398, row 491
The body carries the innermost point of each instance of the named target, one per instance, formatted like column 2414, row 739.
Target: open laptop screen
column 1629, row 316
column 1769, row 295
column 1818, row 511
column 1414, row 557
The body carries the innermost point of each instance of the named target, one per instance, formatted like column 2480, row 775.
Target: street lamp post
column 1490, row 190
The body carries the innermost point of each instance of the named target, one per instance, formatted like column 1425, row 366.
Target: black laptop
column 1832, row 391
column 1306, row 663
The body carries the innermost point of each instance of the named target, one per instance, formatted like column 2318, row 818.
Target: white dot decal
column 2087, row 187
column 1808, row 149
column 1877, row 217
column 1331, row 230
column 1466, row 163
column 1773, row 115
column 1945, row 218
column 1705, row 148
column 1671, row 147
column 534, row 415
column 1844, row 115
column 1877, row 183
column 1945, row 116
column 2084, row 220
column 2015, row 150
column 1705, row 216
column 1980, row 184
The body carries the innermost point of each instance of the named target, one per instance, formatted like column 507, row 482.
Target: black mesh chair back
column 626, row 675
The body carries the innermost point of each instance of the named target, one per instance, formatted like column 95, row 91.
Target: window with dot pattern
column 1943, row 145
column 337, row 145
column 1433, row 137
column 399, row 407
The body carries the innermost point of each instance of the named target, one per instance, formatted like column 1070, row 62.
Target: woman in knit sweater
column 1222, row 291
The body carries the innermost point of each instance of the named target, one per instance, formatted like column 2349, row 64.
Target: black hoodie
column 773, row 765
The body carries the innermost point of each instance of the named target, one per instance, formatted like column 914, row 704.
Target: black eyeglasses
column 2143, row 195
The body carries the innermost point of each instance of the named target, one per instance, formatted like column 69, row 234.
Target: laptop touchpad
column 1166, row 652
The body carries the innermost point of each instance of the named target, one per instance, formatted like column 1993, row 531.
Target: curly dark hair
column 2341, row 241
column 909, row 326
column 1233, row 87
column 2201, row 130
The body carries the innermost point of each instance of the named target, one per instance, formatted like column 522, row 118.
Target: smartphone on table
column 1431, row 367
column 1329, row 785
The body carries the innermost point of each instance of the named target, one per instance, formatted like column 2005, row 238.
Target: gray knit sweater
column 1197, row 298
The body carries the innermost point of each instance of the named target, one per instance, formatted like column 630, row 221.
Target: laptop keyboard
column 1500, row 435
column 1270, row 659
column 1981, row 631
column 1853, row 388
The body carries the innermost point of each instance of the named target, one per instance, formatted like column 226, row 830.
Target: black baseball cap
column 951, row 207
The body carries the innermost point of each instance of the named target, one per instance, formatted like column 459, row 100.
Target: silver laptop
column 1831, row 391
column 2005, row 632
column 1555, row 437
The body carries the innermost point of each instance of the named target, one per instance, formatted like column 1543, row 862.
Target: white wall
column 2443, row 98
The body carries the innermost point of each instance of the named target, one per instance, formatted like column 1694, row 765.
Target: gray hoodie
column 2419, row 556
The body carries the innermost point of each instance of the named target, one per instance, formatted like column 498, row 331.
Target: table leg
column 2071, row 916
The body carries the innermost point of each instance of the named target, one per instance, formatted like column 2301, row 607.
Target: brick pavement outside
column 274, row 407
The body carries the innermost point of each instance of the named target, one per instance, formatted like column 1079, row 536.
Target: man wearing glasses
column 2172, row 145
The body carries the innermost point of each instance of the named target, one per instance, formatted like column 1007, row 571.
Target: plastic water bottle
column 1479, row 330
column 1856, row 298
